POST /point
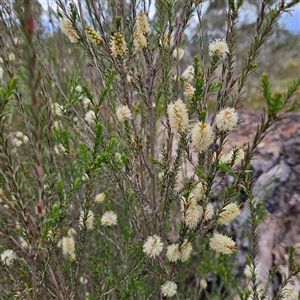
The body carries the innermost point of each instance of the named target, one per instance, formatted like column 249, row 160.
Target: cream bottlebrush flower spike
column 189, row 90
column 188, row 73
column 222, row 243
column 153, row 246
column 139, row 41
column 227, row 119
column 68, row 247
column 89, row 221
column 142, row 23
column 118, row 44
column 66, row 27
column 7, row 257
column 123, row 113
column 202, row 136
column 192, row 216
column 185, row 251
column 57, row 109
column 100, row 198
column 239, row 156
column 86, row 102
column 109, row 218
column 249, row 270
column 198, row 192
column 178, row 116
column 178, row 53
column 169, row 289
column 90, row 117
column 173, row 253
column 218, row 48
column 229, row 213
column 191, row 212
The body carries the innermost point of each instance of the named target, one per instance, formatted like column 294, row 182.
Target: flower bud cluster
column 93, row 35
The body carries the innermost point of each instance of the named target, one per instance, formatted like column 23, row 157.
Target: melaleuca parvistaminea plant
column 119, row 188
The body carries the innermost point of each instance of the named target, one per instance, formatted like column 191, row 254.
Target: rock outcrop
column 278, row 187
